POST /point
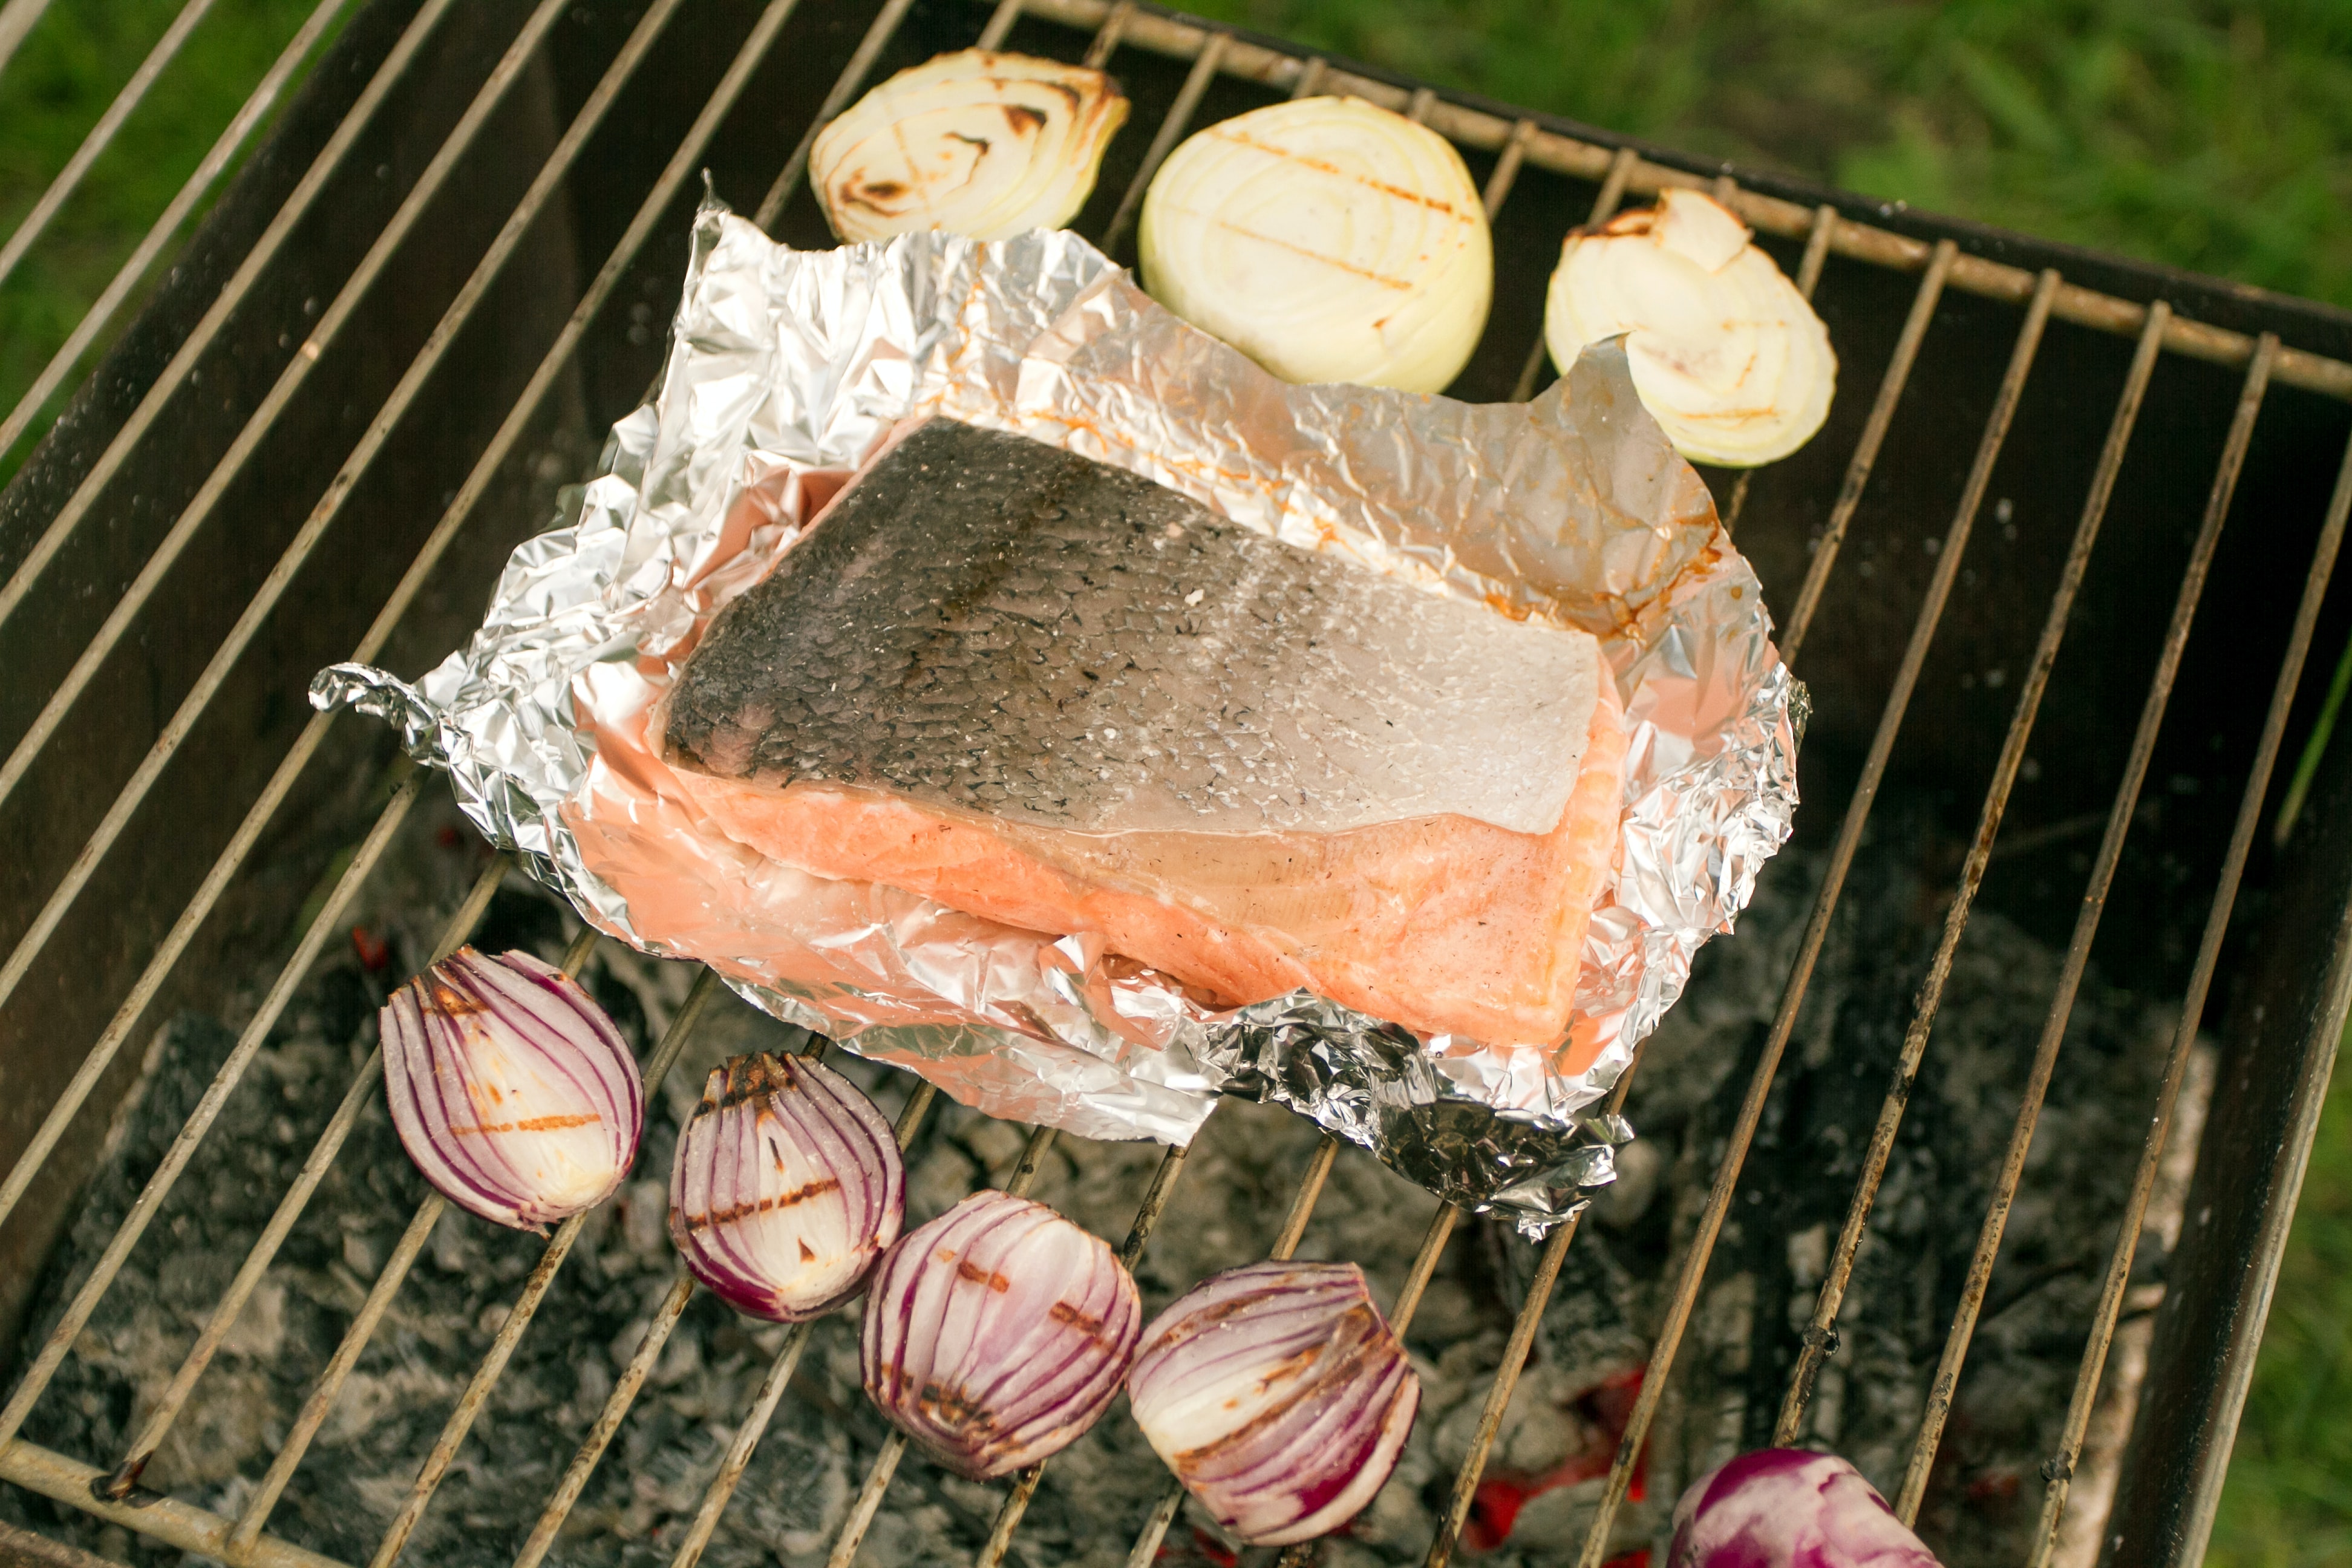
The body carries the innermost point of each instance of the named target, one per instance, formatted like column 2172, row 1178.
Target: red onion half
column 511, row 1091
column 1790, row 1508
column 1278, row 1395
column 997, row 1334
column 787, row 1187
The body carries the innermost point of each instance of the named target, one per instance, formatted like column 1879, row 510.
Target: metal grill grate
column 1096, row 31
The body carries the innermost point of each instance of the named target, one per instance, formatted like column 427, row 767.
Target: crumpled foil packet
column 787, row 369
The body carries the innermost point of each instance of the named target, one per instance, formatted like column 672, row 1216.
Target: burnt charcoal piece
column 985, row 622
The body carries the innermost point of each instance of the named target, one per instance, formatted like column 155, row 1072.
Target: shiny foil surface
column 788, row 369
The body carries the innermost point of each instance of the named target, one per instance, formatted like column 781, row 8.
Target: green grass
column 2288, row 1503
column 2212, row 137
column 68, row 71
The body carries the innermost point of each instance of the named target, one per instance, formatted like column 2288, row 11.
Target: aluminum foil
column 787, row 369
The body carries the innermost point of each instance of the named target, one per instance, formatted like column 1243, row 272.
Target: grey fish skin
column 984, row 622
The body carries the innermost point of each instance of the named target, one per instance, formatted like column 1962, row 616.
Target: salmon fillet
column 1059, row 696
column 1445, row 924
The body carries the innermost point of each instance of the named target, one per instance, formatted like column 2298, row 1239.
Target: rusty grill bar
column 1095, row 30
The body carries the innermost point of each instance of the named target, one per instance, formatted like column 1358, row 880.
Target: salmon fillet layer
column 1446, row 924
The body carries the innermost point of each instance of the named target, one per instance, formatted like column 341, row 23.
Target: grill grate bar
column 747, row 1436
column 1809, row 276
column 1294, row 1227
column 1025, row 1484
column 184, row 1525
column 184, row 1146
column 1309, row 79
column 534, row 1291
column 1515, row 1355
column 894, row 1448
column 1163, row 140
column 999, row 24
column 94, row 320
column 2060, row 1469
column 1505, row 172
column 250, row 621
column 851, row 78
column 1424, row 1264
column 16, row 19
column 1604, row 204
column 101, row 135
column 1819, row 1336
column 1751, row 1110
column 2087, row 925
column 290, row 383
column 771, row 1388
column 1524, row 1329
column 233, row 294
column 608, row 1422
column 1107, row 37
column 1865, row 450
column 1166, row 34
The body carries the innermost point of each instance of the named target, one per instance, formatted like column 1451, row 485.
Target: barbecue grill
column 2053, row 573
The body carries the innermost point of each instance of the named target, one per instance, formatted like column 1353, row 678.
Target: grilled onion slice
column 975, row 143
column 1724, row 351
column 1327, row 238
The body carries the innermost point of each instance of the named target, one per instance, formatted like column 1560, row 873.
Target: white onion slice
column 1793, row 1509
column 1328, row 239
column 1278, row 1396
column 1725, row 354
column 976, row 143
column 787, row 1186
column 997, row 1334
column 510, row 1089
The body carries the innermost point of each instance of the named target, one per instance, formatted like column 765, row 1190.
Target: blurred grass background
column 2209, row 136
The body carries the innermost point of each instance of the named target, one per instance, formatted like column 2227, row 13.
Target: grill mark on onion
column 793, row 1199
column 1063, row 1313
column 1335, row 1372
column 1300, row 250
column 448, row 998
column 1320, row 166
column 953, row 1407
column 1194, row 1324
column 968, row 1269
column 534, row 1124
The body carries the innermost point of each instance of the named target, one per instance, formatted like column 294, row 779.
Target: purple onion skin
column 997, row 1334
column 1322, row 1391
column 786, row 1188
column 1790, row 1508
column 510, row 1089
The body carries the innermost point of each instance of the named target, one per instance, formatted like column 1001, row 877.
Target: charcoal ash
column 1557, row 1438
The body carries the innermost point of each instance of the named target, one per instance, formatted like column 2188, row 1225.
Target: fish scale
column 985, row 622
